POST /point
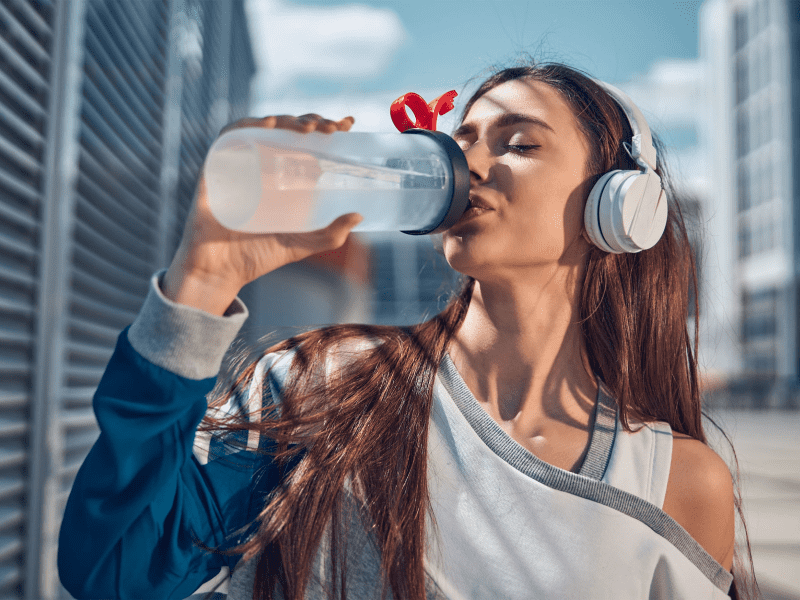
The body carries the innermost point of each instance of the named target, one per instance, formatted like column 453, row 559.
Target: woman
column 541, row 437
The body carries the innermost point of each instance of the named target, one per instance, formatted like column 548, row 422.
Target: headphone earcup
column 615, row 204
column 591, row 215
column 626, row 211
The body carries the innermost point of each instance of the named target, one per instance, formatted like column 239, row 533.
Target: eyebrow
column 505, row 120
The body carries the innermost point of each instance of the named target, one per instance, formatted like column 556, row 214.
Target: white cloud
column 347, row 41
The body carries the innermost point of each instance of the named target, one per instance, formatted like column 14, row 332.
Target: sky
column 338, row 58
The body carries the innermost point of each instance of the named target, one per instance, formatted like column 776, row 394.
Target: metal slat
column 94, row 242
column 16, row 338
column 107, row 107
column 140, row 179
column 25, row 130
column 12, row 426
column 121, row 40
column 9, row 575
column 100, row 221
column 10, row 400
column 107, row 271
column 10, row 487
column 15, row 368
column 114, row 317
column 16, row 218
column 103, row 52
column 15, row 277
column 11, row 515
column 81, row 353
column 78, row 444
column 76, row 396
column 139, row 164
column 25, row 70
column 24, row 160
column 79, row 418
column 192, row 157
column 33, row 19
column 10, row 460
column 9, row 546
column 83, row 374
column 20, row 98
column 89, row 285
column 147, row 37
column 19, row 188
column 23, row 36
column 124, row 98
column 14, row 307
column 89, row 329
column 11, row 246
column 144, row 41
column 130, row 206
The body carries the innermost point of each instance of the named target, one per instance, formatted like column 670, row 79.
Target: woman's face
column 527, row 161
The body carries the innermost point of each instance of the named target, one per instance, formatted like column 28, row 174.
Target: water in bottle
column 268, row 180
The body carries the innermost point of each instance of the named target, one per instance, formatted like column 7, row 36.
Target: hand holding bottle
column 213, row 263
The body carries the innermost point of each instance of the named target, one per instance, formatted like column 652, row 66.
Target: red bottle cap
column 425, row 114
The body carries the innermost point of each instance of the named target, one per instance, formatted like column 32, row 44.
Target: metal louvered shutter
column 103, row 127
column 114, row 245
column 26, row 37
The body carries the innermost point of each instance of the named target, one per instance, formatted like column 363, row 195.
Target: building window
column 741, row 79
column 742, row 133
column 383, row 276
column 743, row 188
column 769, row 181
column 770, row 235
column 759, row 329
column 437, row 280
column 740, row 29
column 744, row 240
column 756, row 191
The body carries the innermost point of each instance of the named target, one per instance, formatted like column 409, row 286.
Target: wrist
column 210, row 293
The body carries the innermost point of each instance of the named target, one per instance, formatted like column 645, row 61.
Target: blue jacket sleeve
column 141, row 496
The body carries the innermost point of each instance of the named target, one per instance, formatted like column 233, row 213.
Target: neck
column 520, row 351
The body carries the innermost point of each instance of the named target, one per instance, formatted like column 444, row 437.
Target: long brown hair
column 369, row 425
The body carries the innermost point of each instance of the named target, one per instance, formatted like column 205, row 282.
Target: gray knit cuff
column 182, row 339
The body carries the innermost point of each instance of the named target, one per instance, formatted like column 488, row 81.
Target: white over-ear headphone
column 627, row 210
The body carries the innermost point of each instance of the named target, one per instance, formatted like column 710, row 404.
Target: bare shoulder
column 700, row 497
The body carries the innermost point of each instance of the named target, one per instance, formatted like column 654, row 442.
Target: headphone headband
column 626, row 210
column 641, row 148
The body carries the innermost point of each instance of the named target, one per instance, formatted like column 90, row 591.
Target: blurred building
column 107, row 108
column 751, row 53
column 381, row 278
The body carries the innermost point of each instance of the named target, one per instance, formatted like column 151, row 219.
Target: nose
column 478, row 161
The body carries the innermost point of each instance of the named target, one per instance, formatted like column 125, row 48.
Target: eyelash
column 523, row 147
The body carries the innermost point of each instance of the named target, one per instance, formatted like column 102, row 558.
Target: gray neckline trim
column 587, row 482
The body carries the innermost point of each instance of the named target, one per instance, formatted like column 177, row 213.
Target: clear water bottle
column 274, row 180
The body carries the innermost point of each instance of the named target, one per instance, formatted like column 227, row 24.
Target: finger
column 293, row 123
column 309, row 121
column 245, row 122
column 345, row 124
column 327, row 126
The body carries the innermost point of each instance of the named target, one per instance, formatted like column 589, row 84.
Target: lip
column 478, row 202
column 471, row 214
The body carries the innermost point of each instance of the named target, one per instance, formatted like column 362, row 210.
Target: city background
column 107, row 108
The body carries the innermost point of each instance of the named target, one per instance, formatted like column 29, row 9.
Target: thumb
column 340, row 228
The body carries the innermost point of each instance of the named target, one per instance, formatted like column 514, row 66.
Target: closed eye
column 522, row 148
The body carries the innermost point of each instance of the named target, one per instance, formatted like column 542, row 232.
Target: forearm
column 141, row 495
